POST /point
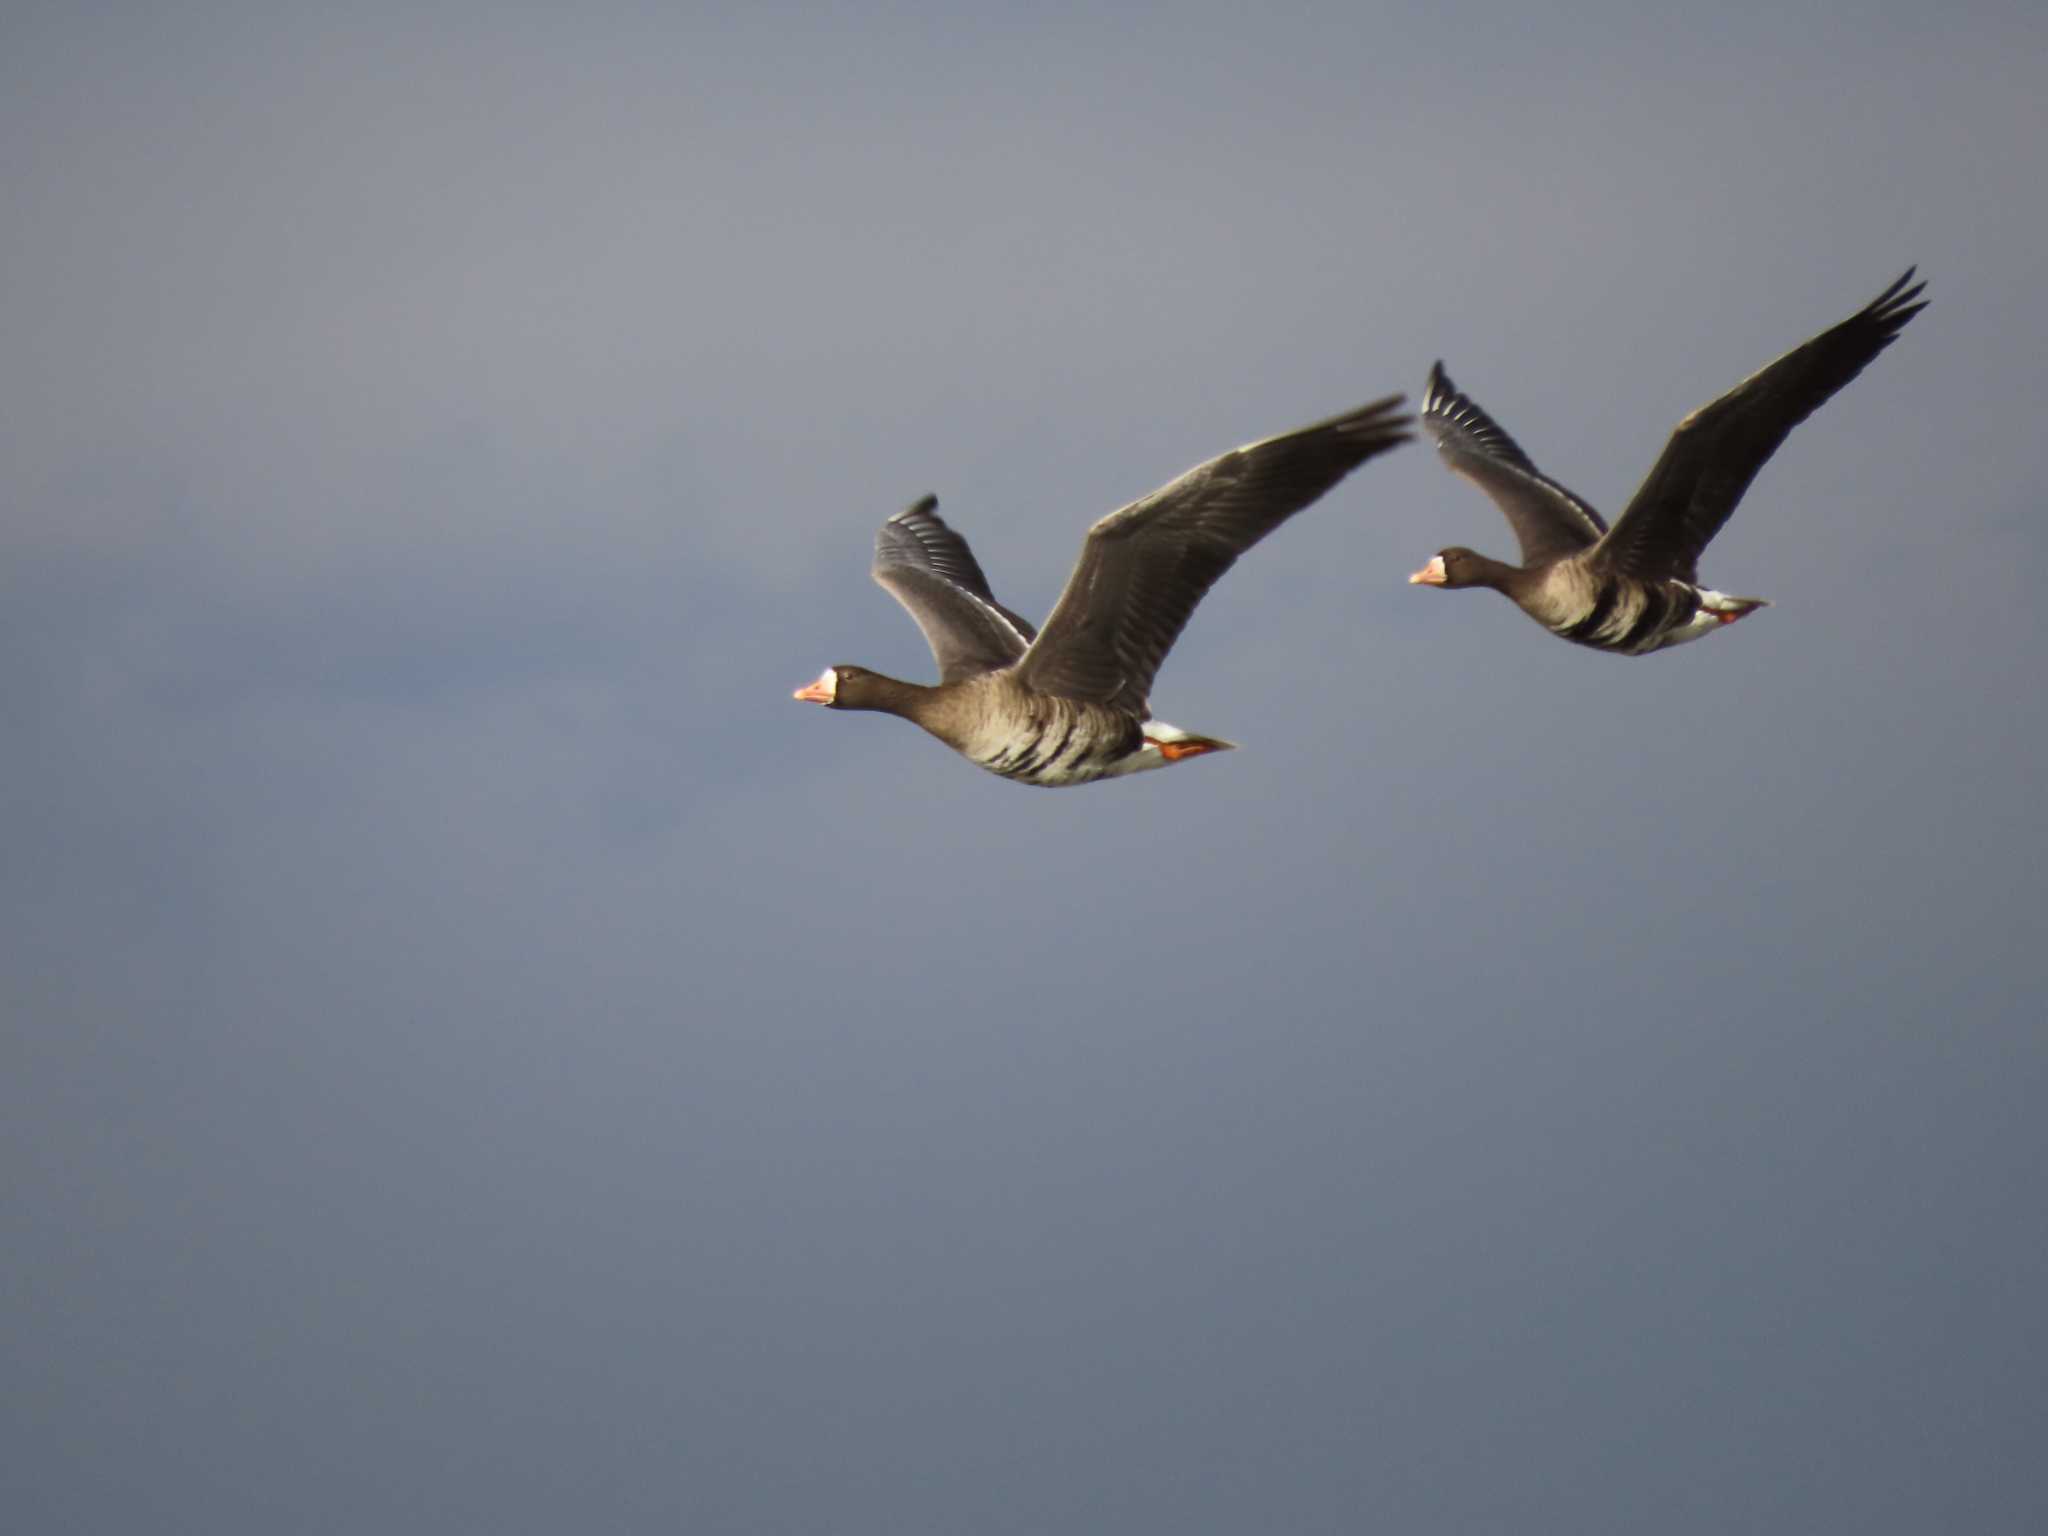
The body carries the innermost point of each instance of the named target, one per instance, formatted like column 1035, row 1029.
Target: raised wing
column 929, row 569
column 1548, row 519
column 1717, row 450
column 1144, row 568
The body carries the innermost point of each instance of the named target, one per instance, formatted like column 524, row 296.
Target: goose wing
column 1144, row 568
column 1717, row 450
column 929, row 569
column 1549, row 520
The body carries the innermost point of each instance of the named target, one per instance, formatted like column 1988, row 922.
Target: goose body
column 997, row 723
column 1069, row 705
column 1634, row 588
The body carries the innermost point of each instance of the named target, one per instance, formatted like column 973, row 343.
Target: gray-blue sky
column 477, row 1053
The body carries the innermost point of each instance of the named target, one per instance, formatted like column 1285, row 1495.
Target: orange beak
column 1431, row 575
column 813, row 693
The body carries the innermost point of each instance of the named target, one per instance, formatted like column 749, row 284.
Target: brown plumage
column 1634, row 588
column 1069, row 705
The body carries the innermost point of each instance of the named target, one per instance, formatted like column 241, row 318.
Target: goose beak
column 1431, row 575
column 823, row 691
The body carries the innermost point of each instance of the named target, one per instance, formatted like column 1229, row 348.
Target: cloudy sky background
column 479, row 1056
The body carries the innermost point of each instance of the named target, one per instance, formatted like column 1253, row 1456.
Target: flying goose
column 1634, row 588
column 1068, row 705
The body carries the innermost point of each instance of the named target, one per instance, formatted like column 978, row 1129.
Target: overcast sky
column 478, row 1056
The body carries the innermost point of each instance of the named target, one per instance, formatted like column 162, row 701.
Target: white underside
column 1703, row 622
column 1149, row 755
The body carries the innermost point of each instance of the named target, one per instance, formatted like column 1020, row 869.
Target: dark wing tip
column 1445, row 407
column 1385, row 406
column 919, row 536
column 1442, row 400
column 926, row 506
column 921, row 526
column 1893, row 308
column 1898, row 283
column 1436, row 386
column 1385, row 420
column 1897, row 304
column 1363, row 432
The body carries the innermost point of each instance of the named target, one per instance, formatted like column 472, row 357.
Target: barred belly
column 1062, row 742
column 1632, row 617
